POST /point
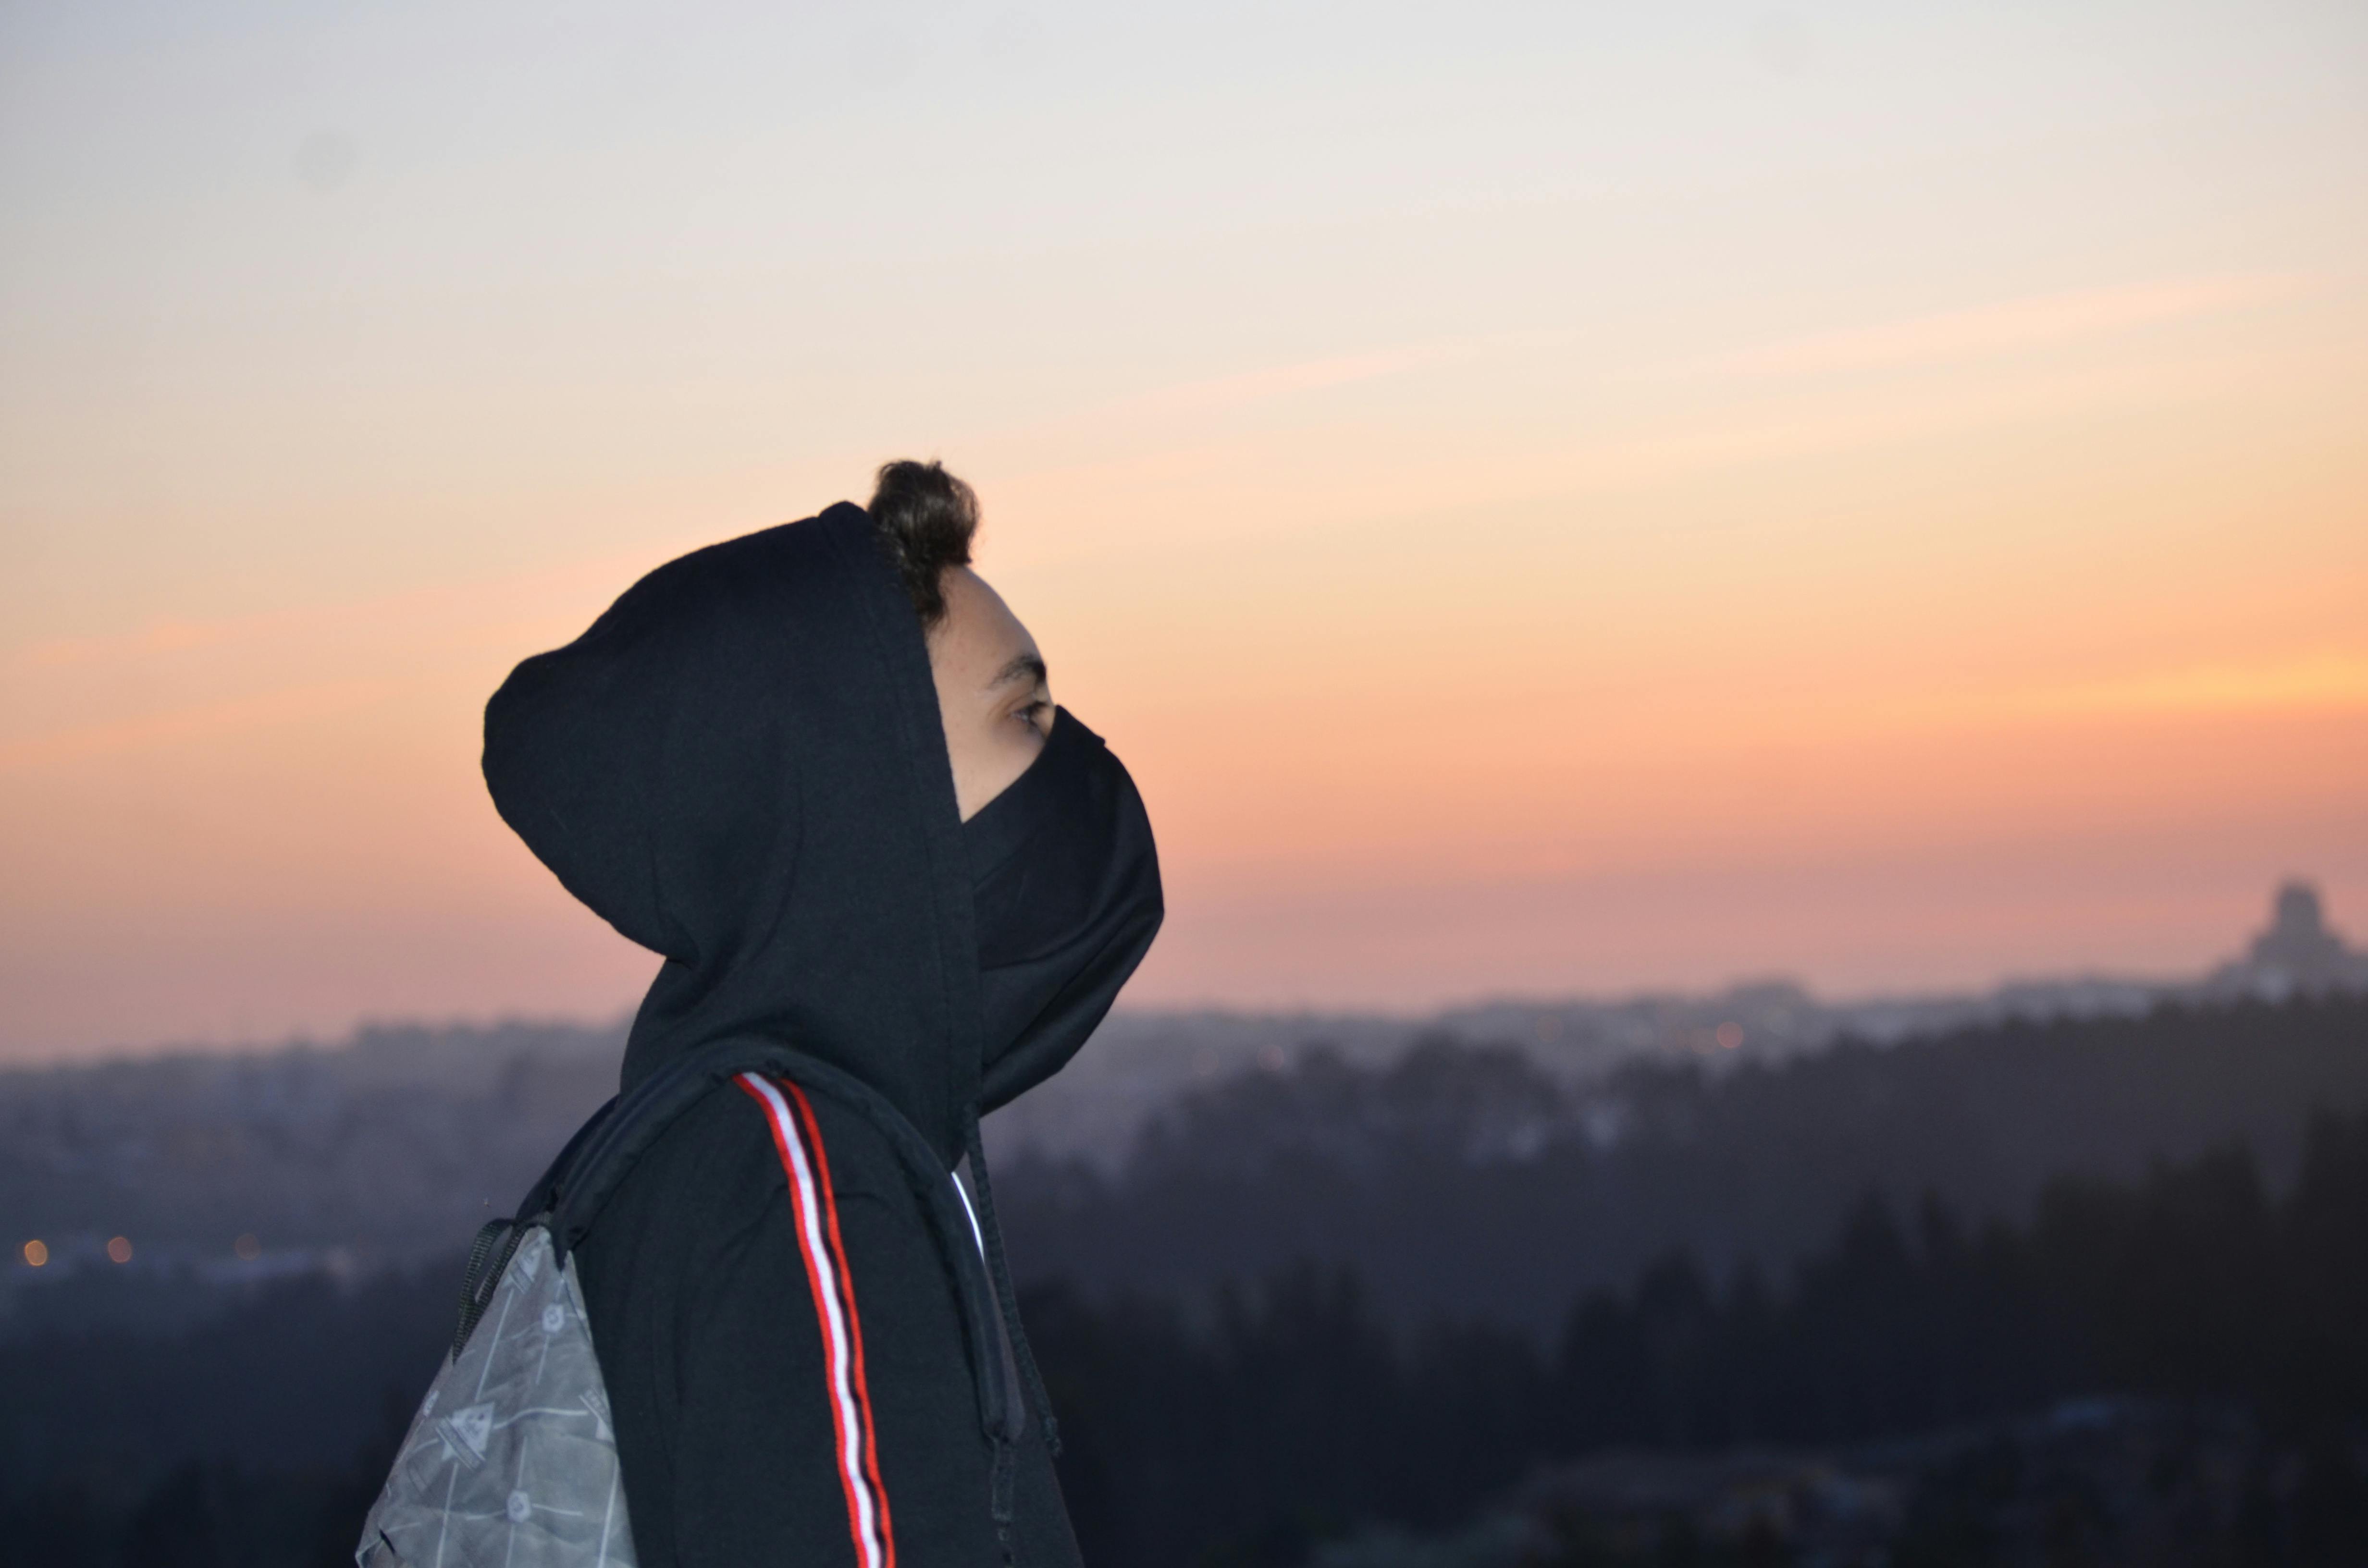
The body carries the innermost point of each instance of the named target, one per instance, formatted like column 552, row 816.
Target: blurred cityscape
column 2071, row 1271
column 233, row 1166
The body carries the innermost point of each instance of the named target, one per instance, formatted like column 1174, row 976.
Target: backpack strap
column 546, row 1187
column 569, row 1197
column 497, row 1240
column 595, row 1160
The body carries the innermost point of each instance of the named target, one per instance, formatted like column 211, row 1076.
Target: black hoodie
column 741, row 766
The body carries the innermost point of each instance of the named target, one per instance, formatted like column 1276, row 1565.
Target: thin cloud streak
column 1206, row 480
column 1218, row 392
column 2041, row 321
column 201, row 722
column 1989, row 331
column 474, row 602
column 173, row 682
column 2330, row 682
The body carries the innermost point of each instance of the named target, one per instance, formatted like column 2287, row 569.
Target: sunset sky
column 1545, row 499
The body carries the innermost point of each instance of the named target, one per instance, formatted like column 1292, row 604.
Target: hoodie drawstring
column 1007, row 1296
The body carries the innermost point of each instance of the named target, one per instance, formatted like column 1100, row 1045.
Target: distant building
column 2300, row 954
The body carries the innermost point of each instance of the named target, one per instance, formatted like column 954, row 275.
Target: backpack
column 511, row 1460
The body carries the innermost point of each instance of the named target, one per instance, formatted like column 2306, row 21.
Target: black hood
column 741, row 766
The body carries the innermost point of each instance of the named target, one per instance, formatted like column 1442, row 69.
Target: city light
column 37, row 1252
column 119, row 1249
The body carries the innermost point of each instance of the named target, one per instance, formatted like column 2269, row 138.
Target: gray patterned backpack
column 511, row 1460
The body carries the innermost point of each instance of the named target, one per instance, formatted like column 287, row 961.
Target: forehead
column 980, row 637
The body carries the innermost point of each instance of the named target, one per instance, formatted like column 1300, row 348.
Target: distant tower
column 2299, row 953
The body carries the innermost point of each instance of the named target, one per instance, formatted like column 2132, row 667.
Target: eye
column 1037, row 715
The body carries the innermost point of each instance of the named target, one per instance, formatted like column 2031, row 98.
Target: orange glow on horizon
column 1619, row 515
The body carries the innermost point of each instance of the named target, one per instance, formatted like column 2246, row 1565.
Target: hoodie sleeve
column 784, row 1353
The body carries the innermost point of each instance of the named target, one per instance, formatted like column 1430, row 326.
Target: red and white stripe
column 799, row 1141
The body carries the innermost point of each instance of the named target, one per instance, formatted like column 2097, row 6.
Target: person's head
column 993, row 694
column 1065, row 879
column 734, row 766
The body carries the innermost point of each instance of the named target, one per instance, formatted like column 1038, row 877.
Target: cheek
column 1016, row 747
column 1004, row 754
column 989, row 751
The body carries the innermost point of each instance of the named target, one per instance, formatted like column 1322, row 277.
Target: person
column 818, row 769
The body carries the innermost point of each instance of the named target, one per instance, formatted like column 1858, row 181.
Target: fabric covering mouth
column 1066, row 879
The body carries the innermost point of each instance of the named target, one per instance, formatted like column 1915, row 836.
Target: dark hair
column 925, row 518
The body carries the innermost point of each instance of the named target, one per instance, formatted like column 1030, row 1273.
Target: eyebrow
column 1030, row 666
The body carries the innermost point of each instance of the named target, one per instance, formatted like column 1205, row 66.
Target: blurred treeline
column 1293, row 1412
column 386, row 1147
column 1466, row 1181
column 1309, row 1384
